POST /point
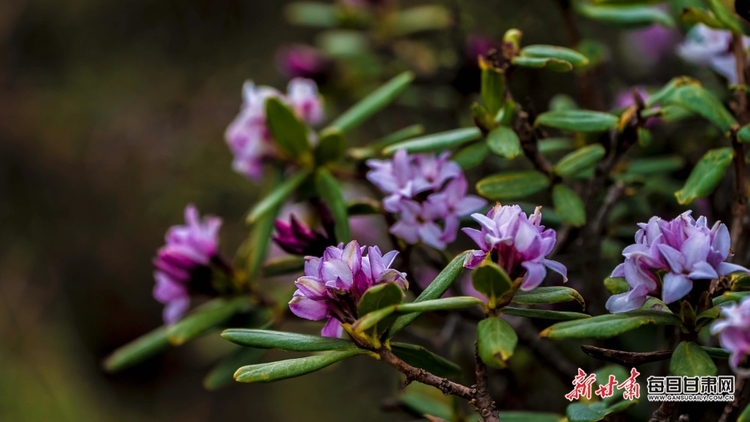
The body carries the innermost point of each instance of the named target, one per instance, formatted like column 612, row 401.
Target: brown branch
column 731, row 407
column 417, row 374
column 613, row 195
column 625, row 358
column 664, row 412
column 739, row 207
column 530, row 144
column 483, row 401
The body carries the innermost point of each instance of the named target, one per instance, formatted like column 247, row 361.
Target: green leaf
column 344, row 44
column 745, row 415
column 562, row 102
column 269, row 339
column 437, row 141
column 543, row 314
column 725, row 15
column 706, row 175
column 690, row 360
column 491, row 281
column 289, row 134
column 330, row 147
column 472, row 155
column 254, row 248
column 420, row 357
column 702, row 102
column 669, row 89
column 580, row 160
column 137, row 350
column 420, row 18
column 530, row 417
column 275, row 371
column 716, row 352
column 330, row 192
column 553, row 52
column 426, row 400
column 595, row 411
column 277, row 196
column 223, row 373
column 655, row 165
column 378, row 297
column 568, row 205
column 606, row 326
column 549, row 145
column 555, row 65
column 545, row 295
column 602, row 376
column 284, row 265
column 493, row 87
column 442, row 304
column 437, row 288
column 693, row 15
column 616, row 285
column 504, row 142
column 512, row 185
column 743, row 135
column 363, row 206
column 627, row 16
column 205, row 318
column 307, row 13
column 375, row 147
column 730, row 297
column 577, row 120
column 496, row 341
column 373, row 103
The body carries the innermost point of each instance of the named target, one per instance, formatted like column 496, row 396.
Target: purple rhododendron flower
column 248, row 136
column 303, row 61
column 684, row 249
column 734, row 333
column 517, row 243
column 652, row 44
column 298, row 239
column 707, row 46
column 428, row 193
column 188, row 252
column 334, row 283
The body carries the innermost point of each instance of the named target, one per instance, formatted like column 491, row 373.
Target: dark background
column 112, row 116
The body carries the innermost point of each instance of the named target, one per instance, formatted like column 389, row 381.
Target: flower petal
column 675, row 287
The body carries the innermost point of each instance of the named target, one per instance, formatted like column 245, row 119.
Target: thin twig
column 483, row 401
column 530, row 144
column 417, row 374
column 613, row 195
column 731, row 407
column 625, row 358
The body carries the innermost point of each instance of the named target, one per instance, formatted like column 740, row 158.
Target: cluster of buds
column 334, row 283
column 248, row 135
column 183, row 265
column 426, row 192
column 296, row 238
column 517, row 243
column 682, row 249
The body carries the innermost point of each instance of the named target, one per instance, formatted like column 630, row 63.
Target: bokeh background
column 112, row 116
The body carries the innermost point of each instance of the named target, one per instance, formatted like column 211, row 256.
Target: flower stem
column 425, row 377
column 483, row 400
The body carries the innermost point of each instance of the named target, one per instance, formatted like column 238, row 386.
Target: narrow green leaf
column 373, row 103
column 555, row 65
column 344, row 44
column 493, row 88
column 437, row 141
column 270, row 339
column 420, row 357
column 694, row 15
column 530, row 417
column 545, row 295
column 606, row 326
column 602, row 376
column 669, row 89
column 443, row 304
column 429, row 17
column 496, row 342
column 549, row 145
column 703, row 103
column 223, row 373
column 369, row 320
column 330, row 191
column 745, row 415
column 437, row 288
column 743, row 135
column 275, row 371
column 512, row 185
column 706, row 175
column 277, row 196
column 330, row 147
column 375, row 147
column 308, row 13
column 616, row 285
column 595, row 411
column 284, row 265
column 568, row 205
column 491, row 281
column 655, row 165
column 504, row 142
column 482, row 118
column 426, row 400
column 578, row 120
column 690, row 360
column 627, row 16
column 580, row 160
column 255, row 247
column 137, row 350
column 205, row 318
column 472, row 155
column 554, row 52
column 543, row 314
column 378, row 297
column 288, row 132
column 725, row 15
column 363, row 206
column 730, row 297
column 562, row 102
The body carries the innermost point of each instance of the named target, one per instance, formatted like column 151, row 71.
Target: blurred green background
column 111, row 120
